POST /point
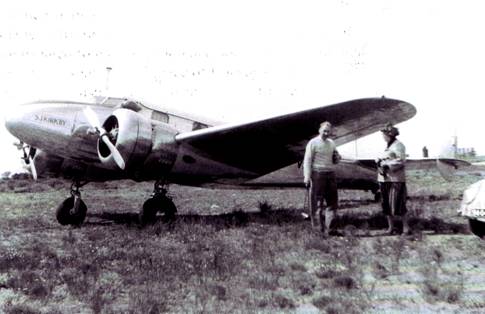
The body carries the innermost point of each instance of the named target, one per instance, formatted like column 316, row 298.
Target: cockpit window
column 109, row 101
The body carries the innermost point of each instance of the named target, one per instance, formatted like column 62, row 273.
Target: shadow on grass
column 379, row 221
column 433, row 198
column 280, row 217
column 227, row 220
column 348, row 203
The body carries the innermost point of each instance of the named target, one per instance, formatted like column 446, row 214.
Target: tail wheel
column 154, row 205
column 477, row 227
column 69, row 214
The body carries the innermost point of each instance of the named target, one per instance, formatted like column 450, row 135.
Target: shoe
column 406, row 230
column 391, row 232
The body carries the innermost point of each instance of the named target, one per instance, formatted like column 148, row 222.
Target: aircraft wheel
column 169, row 209
column 477, row 227
column 66, row 214
column 154, row 205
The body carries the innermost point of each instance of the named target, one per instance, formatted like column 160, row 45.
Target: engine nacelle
column 131, row 133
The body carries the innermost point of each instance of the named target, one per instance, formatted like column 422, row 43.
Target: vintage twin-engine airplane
column 142, row 142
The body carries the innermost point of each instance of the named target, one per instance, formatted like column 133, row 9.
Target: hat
column 390, row 130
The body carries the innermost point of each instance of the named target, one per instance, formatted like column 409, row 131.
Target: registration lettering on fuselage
column 50, row 120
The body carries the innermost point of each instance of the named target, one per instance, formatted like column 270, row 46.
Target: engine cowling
column 131, row 133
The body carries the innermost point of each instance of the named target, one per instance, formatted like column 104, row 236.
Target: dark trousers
column 323, row 188
column 394, row 196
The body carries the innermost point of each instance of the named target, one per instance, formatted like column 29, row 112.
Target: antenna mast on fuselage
column 108, row 70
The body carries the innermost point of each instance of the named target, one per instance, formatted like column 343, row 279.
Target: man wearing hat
column 392, row 178
column 319, row 162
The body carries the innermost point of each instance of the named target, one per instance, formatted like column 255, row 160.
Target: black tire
column 66, row 215
column 170, row 210
column 149, row 211
column 154, row 205
column 477, row 227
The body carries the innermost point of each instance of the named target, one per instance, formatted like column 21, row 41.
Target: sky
column 243, row 60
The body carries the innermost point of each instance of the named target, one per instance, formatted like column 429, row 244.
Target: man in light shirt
column 319, row 162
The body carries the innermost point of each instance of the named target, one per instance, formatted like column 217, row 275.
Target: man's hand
column 378, row 162
column 336, row 157
column 383, row 169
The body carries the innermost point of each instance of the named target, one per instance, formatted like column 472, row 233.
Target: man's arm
column 307, row 164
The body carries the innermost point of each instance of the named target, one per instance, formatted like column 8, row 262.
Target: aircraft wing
column 420, row 164
column 447, row 167
column 270, row 144
column 356, row 173
column 350, row 175
column 417, row 164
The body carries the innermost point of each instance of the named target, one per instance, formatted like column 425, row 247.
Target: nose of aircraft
column 14, row 121
column 37, row 123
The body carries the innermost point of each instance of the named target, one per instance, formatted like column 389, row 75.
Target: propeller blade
column 94, row 121
column 32, row 168
column 446, row 170
column 114, row 151
column 92, row 117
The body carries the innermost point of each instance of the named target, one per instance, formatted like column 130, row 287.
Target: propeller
column 446, row 170
column 103, row 135
column 32, row 165
column 28, row 157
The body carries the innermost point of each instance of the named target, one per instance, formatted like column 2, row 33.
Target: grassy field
column 235, row 251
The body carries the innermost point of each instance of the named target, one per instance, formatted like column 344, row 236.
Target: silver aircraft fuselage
column 67, row 146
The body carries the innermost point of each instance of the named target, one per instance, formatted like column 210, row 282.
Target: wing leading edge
column 270, row 144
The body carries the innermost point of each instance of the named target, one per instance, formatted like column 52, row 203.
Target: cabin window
column 160, row 116
column 198, row 126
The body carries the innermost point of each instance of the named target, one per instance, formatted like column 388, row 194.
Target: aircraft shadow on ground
column 362, row 224
column 434, row 198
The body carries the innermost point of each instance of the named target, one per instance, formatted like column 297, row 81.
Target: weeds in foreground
column 10, row 308
column 394, row 250
column 251, row 262
column 264, row 207
column 438, row 284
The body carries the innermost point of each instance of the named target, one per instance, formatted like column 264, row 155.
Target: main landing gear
column 161, row 202
column 73, row 210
